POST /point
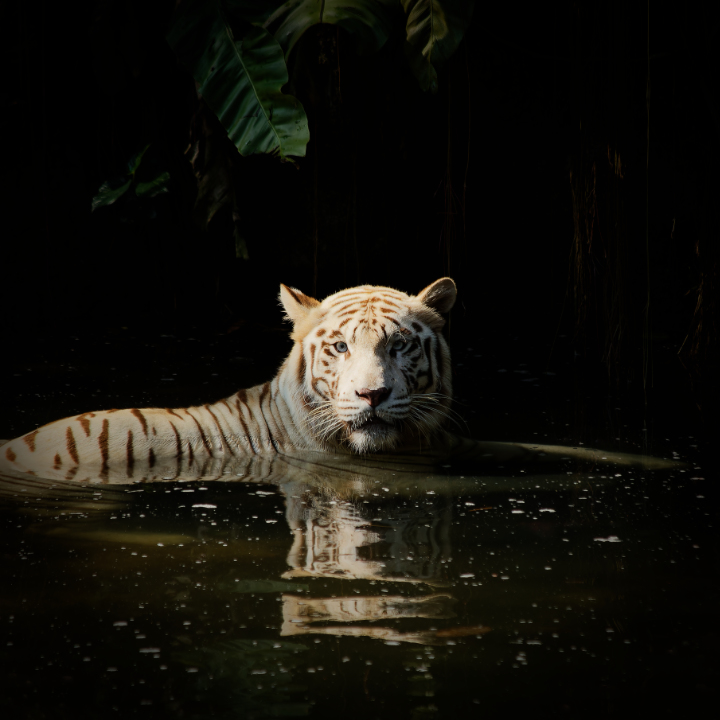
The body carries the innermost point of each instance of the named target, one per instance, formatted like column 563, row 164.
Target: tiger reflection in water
column 339, row 538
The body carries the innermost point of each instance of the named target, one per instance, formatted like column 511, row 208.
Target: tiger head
column 370, row 366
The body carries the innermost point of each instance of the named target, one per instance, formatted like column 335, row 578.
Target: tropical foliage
column 240, row 79
column 239, row 53
column 114, row 189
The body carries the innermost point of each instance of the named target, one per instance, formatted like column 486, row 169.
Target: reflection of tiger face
column 369, row 371
column 373, row 366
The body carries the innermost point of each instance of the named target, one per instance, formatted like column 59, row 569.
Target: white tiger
column 369, row 371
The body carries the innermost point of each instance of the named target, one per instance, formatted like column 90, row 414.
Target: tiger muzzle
column 374, row 397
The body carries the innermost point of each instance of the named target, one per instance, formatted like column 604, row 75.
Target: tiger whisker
column 446, row 411
column 416, row 418
column 427, row 421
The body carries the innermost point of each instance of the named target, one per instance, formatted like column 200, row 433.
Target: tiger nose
column 373, row 397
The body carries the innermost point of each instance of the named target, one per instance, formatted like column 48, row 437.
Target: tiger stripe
column 103, row 442
column 71, row 446
column 178, row 441
column 219, row 427
column 141, row 419
column 203, row 437
column 85, row 424
column 29, row 440
column 130, row 453
column 243, row 424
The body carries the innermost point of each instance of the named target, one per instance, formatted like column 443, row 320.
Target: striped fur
column 369, row 371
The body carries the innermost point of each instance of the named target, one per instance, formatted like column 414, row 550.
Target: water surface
column 371, row 589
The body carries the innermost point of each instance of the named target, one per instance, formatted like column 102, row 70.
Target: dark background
column 586, row 263
column 530, row 177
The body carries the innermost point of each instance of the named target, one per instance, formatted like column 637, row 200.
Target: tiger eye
column 398, row 345
column 341, row 347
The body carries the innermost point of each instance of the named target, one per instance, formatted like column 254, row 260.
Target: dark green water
column 572, row 590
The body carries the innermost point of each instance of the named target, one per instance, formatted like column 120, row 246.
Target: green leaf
column 368, row 21
column 107, row 195
column 434, row 29
column 112, row 190
column 240, row 80
column 134, row 162
column 421, row 67
column 154, row 187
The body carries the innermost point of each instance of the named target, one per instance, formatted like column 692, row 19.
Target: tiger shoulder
column 369, row 371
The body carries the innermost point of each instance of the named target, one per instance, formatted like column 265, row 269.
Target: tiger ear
column 297, row 305
column 439, row 296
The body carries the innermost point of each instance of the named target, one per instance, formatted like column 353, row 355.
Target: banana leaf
column 112, row 190
column 434, row 29
column 368, row 21
column 154, row 187
column 240, row 79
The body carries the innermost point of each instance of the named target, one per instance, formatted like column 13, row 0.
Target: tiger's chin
column 374, row 435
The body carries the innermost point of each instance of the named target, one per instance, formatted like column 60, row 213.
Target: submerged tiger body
column 369, row 371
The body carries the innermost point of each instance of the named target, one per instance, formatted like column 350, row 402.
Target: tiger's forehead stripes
column 366, row 314
column 379, row 304
column 368, row 333
column 361, row 293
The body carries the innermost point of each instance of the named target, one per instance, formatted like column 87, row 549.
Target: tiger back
column 369, row 371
